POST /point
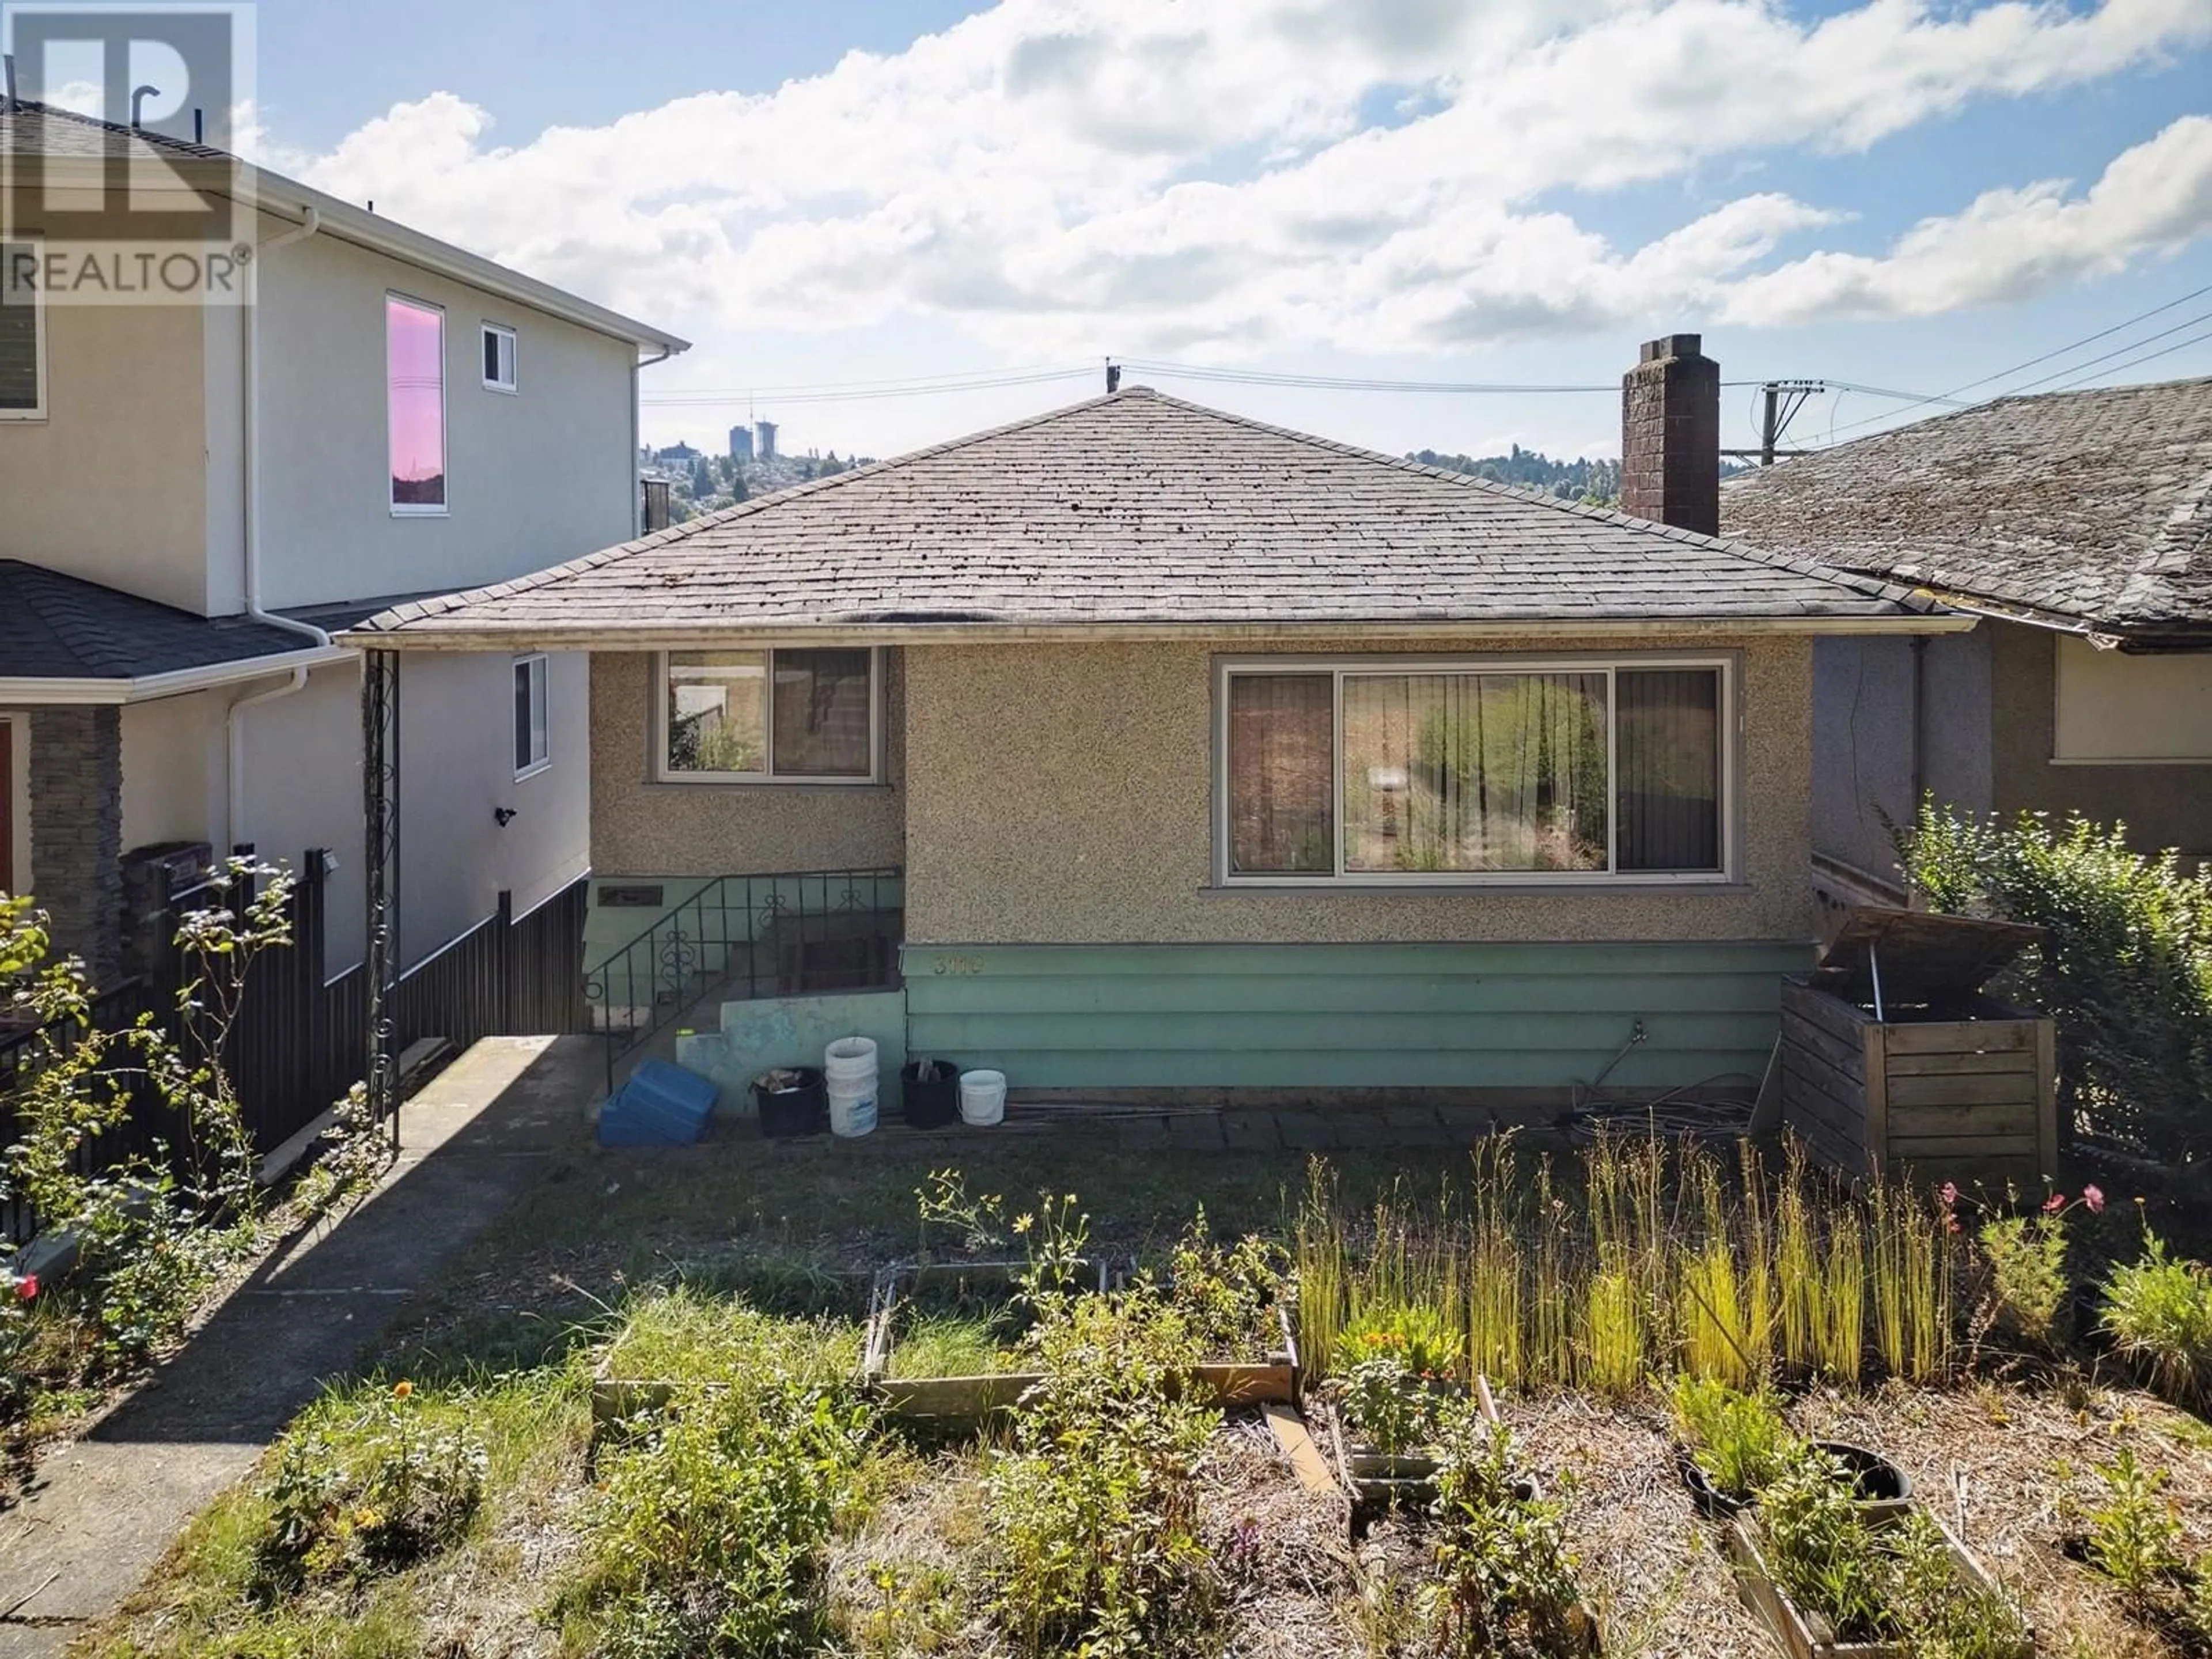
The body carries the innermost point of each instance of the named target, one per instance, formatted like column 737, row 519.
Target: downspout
column 249, row 348
column 636, row 494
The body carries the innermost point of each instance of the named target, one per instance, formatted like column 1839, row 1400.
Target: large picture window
column 769, row 716
column 414, row 403
column 1367, row 772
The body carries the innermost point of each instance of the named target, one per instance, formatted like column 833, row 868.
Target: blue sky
column 1404, row 189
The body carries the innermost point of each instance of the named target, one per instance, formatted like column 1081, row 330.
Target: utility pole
column 1782, row 398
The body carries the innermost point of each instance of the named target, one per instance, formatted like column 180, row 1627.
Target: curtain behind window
column 1475, row 771
column 1670, row 765
column 19, row 328
column 1282, row 765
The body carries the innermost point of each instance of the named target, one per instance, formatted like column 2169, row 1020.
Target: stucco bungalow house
column 1218, row 757
column 2078, row 526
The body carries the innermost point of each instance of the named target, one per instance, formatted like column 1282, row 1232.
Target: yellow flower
column 1024, row 1222
column 401, row 1390
column 365, row 1520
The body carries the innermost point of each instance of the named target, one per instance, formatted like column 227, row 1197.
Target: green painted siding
column 1345, row 1016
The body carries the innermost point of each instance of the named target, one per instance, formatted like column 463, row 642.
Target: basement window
column 533, row 750
column 1475, row 771
column 498, row 357
column 22, row 335
column 770, row 716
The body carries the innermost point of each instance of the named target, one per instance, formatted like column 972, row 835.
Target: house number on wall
column 961, row 967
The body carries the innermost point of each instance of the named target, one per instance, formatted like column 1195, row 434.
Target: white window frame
column 664, row 772
column 511, row 385
column 420, row 509
column 541, row 677
column 1341, row 667
column 39, row 410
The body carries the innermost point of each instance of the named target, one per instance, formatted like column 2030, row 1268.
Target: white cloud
column 1051, row 173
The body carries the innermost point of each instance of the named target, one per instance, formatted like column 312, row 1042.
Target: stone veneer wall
column 76, row 831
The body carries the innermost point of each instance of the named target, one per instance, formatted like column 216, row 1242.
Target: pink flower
column 27, row 1286
column 2054, row 1204
column 1951, row 1224
column 2094, row 1198
column 1949, row 1193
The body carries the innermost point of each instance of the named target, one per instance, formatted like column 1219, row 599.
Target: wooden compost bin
column 1892, row 1058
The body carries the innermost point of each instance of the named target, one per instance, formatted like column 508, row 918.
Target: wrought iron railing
column 793, row 933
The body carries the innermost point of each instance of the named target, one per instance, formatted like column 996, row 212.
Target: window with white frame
column 414, row 403
column 22, row 335
column 498, row 357
column 533, row 741
column 780, row 716
column 1472, row 770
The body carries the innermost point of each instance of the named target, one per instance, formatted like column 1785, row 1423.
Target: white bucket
column 982, row 1097
column 848, row 1068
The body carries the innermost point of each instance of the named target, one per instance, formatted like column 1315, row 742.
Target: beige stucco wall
column 1061, row 795
column 533, row 478
column 641, row 828
column 111, row 485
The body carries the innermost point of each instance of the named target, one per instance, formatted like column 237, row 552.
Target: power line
column 2149, row 357
column 2118, row 351
column 2007, row 373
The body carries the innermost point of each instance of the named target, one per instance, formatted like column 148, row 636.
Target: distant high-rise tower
column 741, row 443
column 765, row 440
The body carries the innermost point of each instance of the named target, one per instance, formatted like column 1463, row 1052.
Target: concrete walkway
column 105, row 1509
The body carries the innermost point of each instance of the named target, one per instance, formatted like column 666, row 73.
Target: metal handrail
column 720, row 935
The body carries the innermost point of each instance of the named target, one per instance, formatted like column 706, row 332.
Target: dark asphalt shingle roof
column 1139, row 508
column 2091, row 505
column 57, row 627
column 35, row 129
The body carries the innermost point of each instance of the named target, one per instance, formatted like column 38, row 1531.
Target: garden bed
column 1804, row 1638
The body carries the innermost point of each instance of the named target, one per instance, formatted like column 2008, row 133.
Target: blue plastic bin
column 661, row 1105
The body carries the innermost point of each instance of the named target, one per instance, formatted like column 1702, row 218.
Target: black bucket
column 934, row 1104
column 801, row 1109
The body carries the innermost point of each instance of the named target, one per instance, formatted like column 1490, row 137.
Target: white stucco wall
column 456, row 755
column 172, row 771
column 110, row 486
column 532, row 478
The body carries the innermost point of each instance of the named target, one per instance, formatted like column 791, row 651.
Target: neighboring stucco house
column 2078, row 526
column 196, row 495
column 1218, row 757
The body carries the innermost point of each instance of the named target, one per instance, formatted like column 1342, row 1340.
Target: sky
column 1908, row 195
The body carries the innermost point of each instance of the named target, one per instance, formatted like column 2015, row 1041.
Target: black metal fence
column 299, row 1039
column 793, row 932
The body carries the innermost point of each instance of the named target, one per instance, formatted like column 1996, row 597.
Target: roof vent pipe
column 138, row 97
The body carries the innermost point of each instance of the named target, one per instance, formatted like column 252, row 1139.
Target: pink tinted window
column 415, row 388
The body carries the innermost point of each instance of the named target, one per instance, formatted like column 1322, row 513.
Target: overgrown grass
column 686, row 1336
column 1595, row 1270
column 931, row 1344
column 213, row 1598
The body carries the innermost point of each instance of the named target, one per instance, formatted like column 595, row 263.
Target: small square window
column 498, row 357
column 533, row 741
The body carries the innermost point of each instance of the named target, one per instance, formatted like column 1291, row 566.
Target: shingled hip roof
column 2094, row 508
column 1139, row 512
column 73, row 632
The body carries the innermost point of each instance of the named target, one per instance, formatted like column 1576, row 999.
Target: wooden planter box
column 1968, row 1094
column 1263, row 1379
column 1802, row 1639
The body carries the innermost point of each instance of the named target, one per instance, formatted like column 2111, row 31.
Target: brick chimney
column 1670, row 435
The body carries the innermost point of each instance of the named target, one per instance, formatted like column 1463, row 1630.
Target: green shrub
column 1416, row 1336
column 1094, row 1506
column 1822, row 1551
column 2135, row 1530
column 1941, row 1612
column 1740, row 1440
column 2125, row 969
column 1393, row 1406
column 1504, row 1581
column 706, row 1532
column 2027, row 1292
column 2158, row 1313
column 1225, row 1292
column 353, row 1497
